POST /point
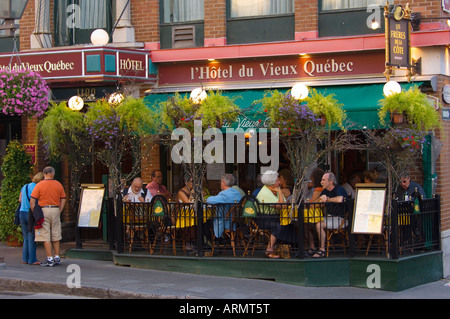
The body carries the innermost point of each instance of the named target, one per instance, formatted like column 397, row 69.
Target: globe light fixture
column 391, row 87
column 299, row 91
column 99, row 37
column 198, row 95
column 115, row 99
column 76, row 103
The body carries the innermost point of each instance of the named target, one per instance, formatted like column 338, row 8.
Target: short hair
column 288, row 176
column 332, row 177
column 153, row 173
column 316, row 176
column 48, row 170
column 228, row 179
column 38, row 177
column 269, row 177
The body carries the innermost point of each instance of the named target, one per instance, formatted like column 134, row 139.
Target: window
column 248, row 8
column 182, row 10
column 76, row 19
column 350, row 4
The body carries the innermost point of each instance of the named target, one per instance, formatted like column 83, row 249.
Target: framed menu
column 90, row 207
column 369, row 209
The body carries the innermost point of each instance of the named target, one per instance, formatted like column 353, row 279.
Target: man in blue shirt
column 228, row 195
column 334, row 194
column 408, row 187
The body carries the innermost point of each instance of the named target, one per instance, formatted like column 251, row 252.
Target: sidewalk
column 103, row 279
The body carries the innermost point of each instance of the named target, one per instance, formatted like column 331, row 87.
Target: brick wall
column 145, row 20
column 215, row 19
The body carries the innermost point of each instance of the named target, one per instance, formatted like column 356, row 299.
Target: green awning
column 360, row 101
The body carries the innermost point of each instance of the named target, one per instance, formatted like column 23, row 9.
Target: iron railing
column 249, row 228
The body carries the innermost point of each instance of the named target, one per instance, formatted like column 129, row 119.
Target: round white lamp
column 99, row 37
column 115, row 98
column 198, row 95
column 76, row 103
column 391, row 87
column 299, row 91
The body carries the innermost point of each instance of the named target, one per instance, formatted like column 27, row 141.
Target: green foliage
column 61, row 129
column 180, row 112
column 289, row 115
column 328, row 107
column 16, row 169
column 420, row 113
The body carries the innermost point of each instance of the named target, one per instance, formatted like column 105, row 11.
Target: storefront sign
column 446, row 93
column 282, row 68
column 94, row 64
column 399, row 43
column 31, row 150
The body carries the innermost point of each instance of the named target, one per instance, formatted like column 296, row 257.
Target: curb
column 19, row 285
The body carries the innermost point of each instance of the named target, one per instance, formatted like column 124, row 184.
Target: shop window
column 248, row 8
column 350, row 17
column 76, row 19
column 182, row 10
column 255, row 21
column 350, row 4
column 181, row 23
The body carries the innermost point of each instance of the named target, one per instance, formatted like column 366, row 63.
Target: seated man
column 332, row 193
column 136, row 193
column 228, row 195
column 408, row 187
column 156, row 187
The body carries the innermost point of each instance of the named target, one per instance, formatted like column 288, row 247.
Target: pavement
column 105, row 280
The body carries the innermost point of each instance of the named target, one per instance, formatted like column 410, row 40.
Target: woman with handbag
column 29, row 245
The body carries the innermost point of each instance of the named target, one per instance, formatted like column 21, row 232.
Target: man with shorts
column 50, row 195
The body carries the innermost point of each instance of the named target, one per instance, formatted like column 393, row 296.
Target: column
column 41, row 36
column 124, row 31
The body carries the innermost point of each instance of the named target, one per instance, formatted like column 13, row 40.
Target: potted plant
column 327, row 108
column 23, row 92
column 16, row 169
column 300, row 131
column 413, row 107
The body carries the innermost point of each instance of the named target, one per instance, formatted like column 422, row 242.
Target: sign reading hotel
column 280, row 68
column 94, row 64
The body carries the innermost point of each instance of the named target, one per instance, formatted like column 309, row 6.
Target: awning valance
column 359, row 101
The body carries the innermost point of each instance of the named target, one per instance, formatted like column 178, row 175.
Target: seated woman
column 270, row 193
column 286, row 183
column 185, row 194
column 184, row 217
column 313, row 215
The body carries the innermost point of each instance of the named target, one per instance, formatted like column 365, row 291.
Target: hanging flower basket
column 23, row 93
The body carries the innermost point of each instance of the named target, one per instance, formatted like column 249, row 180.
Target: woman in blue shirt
column 29, row 245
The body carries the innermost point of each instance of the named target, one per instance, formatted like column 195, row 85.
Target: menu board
column 90, row 207
column 369, row 208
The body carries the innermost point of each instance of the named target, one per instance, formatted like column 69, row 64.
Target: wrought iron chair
column 252, row 233
column 160, row 223
column 227, row 212
column 136, row 222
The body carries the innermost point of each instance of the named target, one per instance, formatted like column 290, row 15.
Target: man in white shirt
column 136, row 193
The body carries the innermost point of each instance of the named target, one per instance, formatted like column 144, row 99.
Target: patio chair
column 136, row 222
column 160, row 223
column 251, row 232
column 230, row 234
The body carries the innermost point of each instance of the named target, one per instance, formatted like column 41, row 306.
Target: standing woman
column 29, row 245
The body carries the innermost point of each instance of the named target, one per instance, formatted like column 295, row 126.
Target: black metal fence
column 252, row 229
